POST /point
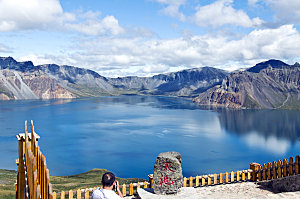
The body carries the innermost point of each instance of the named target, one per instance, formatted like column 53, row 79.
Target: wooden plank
column 259, row 173
column 203, row 180
column 86, row 194
column 274, row 173
column 249, row 174
column 226, row 177
column 78, row 193
column 215, row 179
column 279, row 169
column 130, row 189
column 269, row 171
column 191, row 181
column 238, row 176
column 232, row 176
column 221, row 178
column 70, row 194
column 184, row 181
column 62, row 195
column 285, row 163
column 124, row 189
column 47, row 182
column 254, row 167
column 264, row 172
column 197, row 181
column 297, row 164
column 208, row 180
column 21, row 171
column 291, row 170
column 35, row 183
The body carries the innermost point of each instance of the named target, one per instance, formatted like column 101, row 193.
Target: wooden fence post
column 124, row 189
column 237, row 176
column 197, row 181
column 78, row 193
column 203, row 180
column 264, row 172
column 243, row 175
column 297, row 171
column 269, row 171
column 138, row 186
column 130, row 189
column 145, row 184
column 226, row 177
column 291, row 162
column 208, row 179
column 191, row 181
column 279, row 170
column 274, row 166
column 151, row 180
column 184, row 182
column 62, row 195
column 221, row 178
column 260, row 173
column 254, row 166
column 86, row 194
column 215, row 179
column 70, row 194
column 285, row 163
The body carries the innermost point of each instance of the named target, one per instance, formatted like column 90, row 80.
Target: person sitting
column 107, row 192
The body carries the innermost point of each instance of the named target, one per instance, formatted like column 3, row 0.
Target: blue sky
column 146, row 37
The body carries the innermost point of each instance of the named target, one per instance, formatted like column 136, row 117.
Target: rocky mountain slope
column 183, row 83
column 23, row 80
column 270, row 84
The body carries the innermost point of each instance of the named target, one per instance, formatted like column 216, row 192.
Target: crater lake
column 124, row 134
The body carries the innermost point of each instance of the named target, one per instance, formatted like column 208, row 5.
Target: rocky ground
column 245, row 190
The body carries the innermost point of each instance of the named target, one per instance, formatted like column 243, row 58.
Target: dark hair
column 108, row 179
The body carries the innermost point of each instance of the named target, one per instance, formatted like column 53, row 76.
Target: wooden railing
column 126, row 189
column 33, row 180
column 215, row 179
column 275, row 169
column 198, row 181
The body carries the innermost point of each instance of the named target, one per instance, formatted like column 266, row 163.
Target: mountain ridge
column 271, row 84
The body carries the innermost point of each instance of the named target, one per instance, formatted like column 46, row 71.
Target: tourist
column 107, row 192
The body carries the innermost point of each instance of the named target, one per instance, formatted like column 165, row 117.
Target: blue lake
column 124, row 134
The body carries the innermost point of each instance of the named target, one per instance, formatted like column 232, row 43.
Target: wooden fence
column 33, row 180
column 198, row 181
column 275, row 169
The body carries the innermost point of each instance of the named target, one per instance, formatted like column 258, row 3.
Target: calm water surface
column 125, row 134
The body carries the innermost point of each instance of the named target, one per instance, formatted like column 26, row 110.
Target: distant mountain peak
column 262, row 65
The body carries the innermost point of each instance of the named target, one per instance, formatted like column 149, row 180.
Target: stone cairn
column 167, row 174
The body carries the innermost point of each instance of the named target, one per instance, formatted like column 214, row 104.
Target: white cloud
column 286, row 11
column 31, row 14
column 49, row 15
column 137, row 56
column 221, row 13
column 172, row 8
column 271, row 143
column 109, row 24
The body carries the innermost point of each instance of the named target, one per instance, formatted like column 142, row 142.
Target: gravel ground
column 245, row 190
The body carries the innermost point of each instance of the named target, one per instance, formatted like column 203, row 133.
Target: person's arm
column 118, row 190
